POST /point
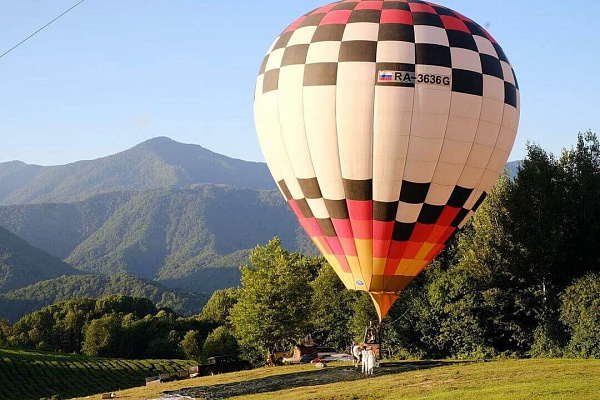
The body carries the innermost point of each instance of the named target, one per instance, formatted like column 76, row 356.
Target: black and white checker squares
column 385, row 124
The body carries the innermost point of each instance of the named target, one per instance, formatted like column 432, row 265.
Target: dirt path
column 301, row 379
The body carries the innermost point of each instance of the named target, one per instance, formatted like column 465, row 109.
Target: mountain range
column 156, row 163
column 193, row 238
column 174, row 220
column 173, row 214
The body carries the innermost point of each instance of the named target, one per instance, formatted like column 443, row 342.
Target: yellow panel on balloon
column 379, row 266
column 346, row 278
column 425, row 250
column 416, row 267
column 403, row 267
column 364, row 248
column 397, row 283
column 378, row 282
column 358, row 275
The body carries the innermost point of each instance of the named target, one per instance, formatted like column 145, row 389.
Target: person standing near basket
column 355, row 351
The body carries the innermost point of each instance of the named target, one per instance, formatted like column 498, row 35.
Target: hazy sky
column 115, row 72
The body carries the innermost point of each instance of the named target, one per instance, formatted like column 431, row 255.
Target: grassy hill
column 511, row 379
column 17, row 303
column 31, row 375
column 22, row 265
column 156, row 163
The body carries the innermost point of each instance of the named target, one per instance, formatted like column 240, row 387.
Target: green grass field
column 31, row 375
column 510, row 379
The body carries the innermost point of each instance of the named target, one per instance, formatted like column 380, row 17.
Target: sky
column 113, row 73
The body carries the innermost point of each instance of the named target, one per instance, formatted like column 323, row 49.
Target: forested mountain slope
column 156, row 163
column 193, row 237
column 21, row 264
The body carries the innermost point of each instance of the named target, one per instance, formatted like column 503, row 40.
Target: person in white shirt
column 370, row 361
column 355, row 350
column 364, row 357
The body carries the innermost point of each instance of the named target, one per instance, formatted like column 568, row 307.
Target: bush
column 480, row 352
column 219, row 305
column 220, row 342
column 580, row 312
column 160, row 348
column 191, row 345
column 549, row 340
column 102, row 337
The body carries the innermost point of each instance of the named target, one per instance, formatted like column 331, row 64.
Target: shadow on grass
column 299, row 379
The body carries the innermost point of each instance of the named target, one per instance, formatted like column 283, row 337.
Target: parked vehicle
column 219, row 365
column 337, row 357
column 327, row 351
column 307, row 358
column 331, row 354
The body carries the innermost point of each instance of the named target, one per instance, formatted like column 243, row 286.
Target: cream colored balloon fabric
column 385, row 123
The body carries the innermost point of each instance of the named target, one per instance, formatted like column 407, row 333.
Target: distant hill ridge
column 22, row 265
column 513, row 168
column 159, row 163
column 155, row 163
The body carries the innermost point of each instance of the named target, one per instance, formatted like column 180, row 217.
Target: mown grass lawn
column 507, row 379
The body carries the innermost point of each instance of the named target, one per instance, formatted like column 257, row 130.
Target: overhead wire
column 41, row 29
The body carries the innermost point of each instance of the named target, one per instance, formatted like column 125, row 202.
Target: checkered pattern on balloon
column 385, row 125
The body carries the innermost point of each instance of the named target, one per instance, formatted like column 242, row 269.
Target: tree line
column 521, row 279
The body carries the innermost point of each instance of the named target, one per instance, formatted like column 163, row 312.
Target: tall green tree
column 537, row 206
column 581, row 208
column 332, row 309
column 102, row 337
column 220, row 342
column 191, row 345
column 580, row 312
column 555, row 218
column 274, row 301
column 488, row 268
column 219, row 306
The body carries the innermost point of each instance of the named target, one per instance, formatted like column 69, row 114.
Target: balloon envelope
column 385, row 124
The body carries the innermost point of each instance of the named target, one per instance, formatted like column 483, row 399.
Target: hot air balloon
column 385, row 124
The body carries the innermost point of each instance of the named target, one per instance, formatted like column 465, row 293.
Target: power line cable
column 39, row 30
